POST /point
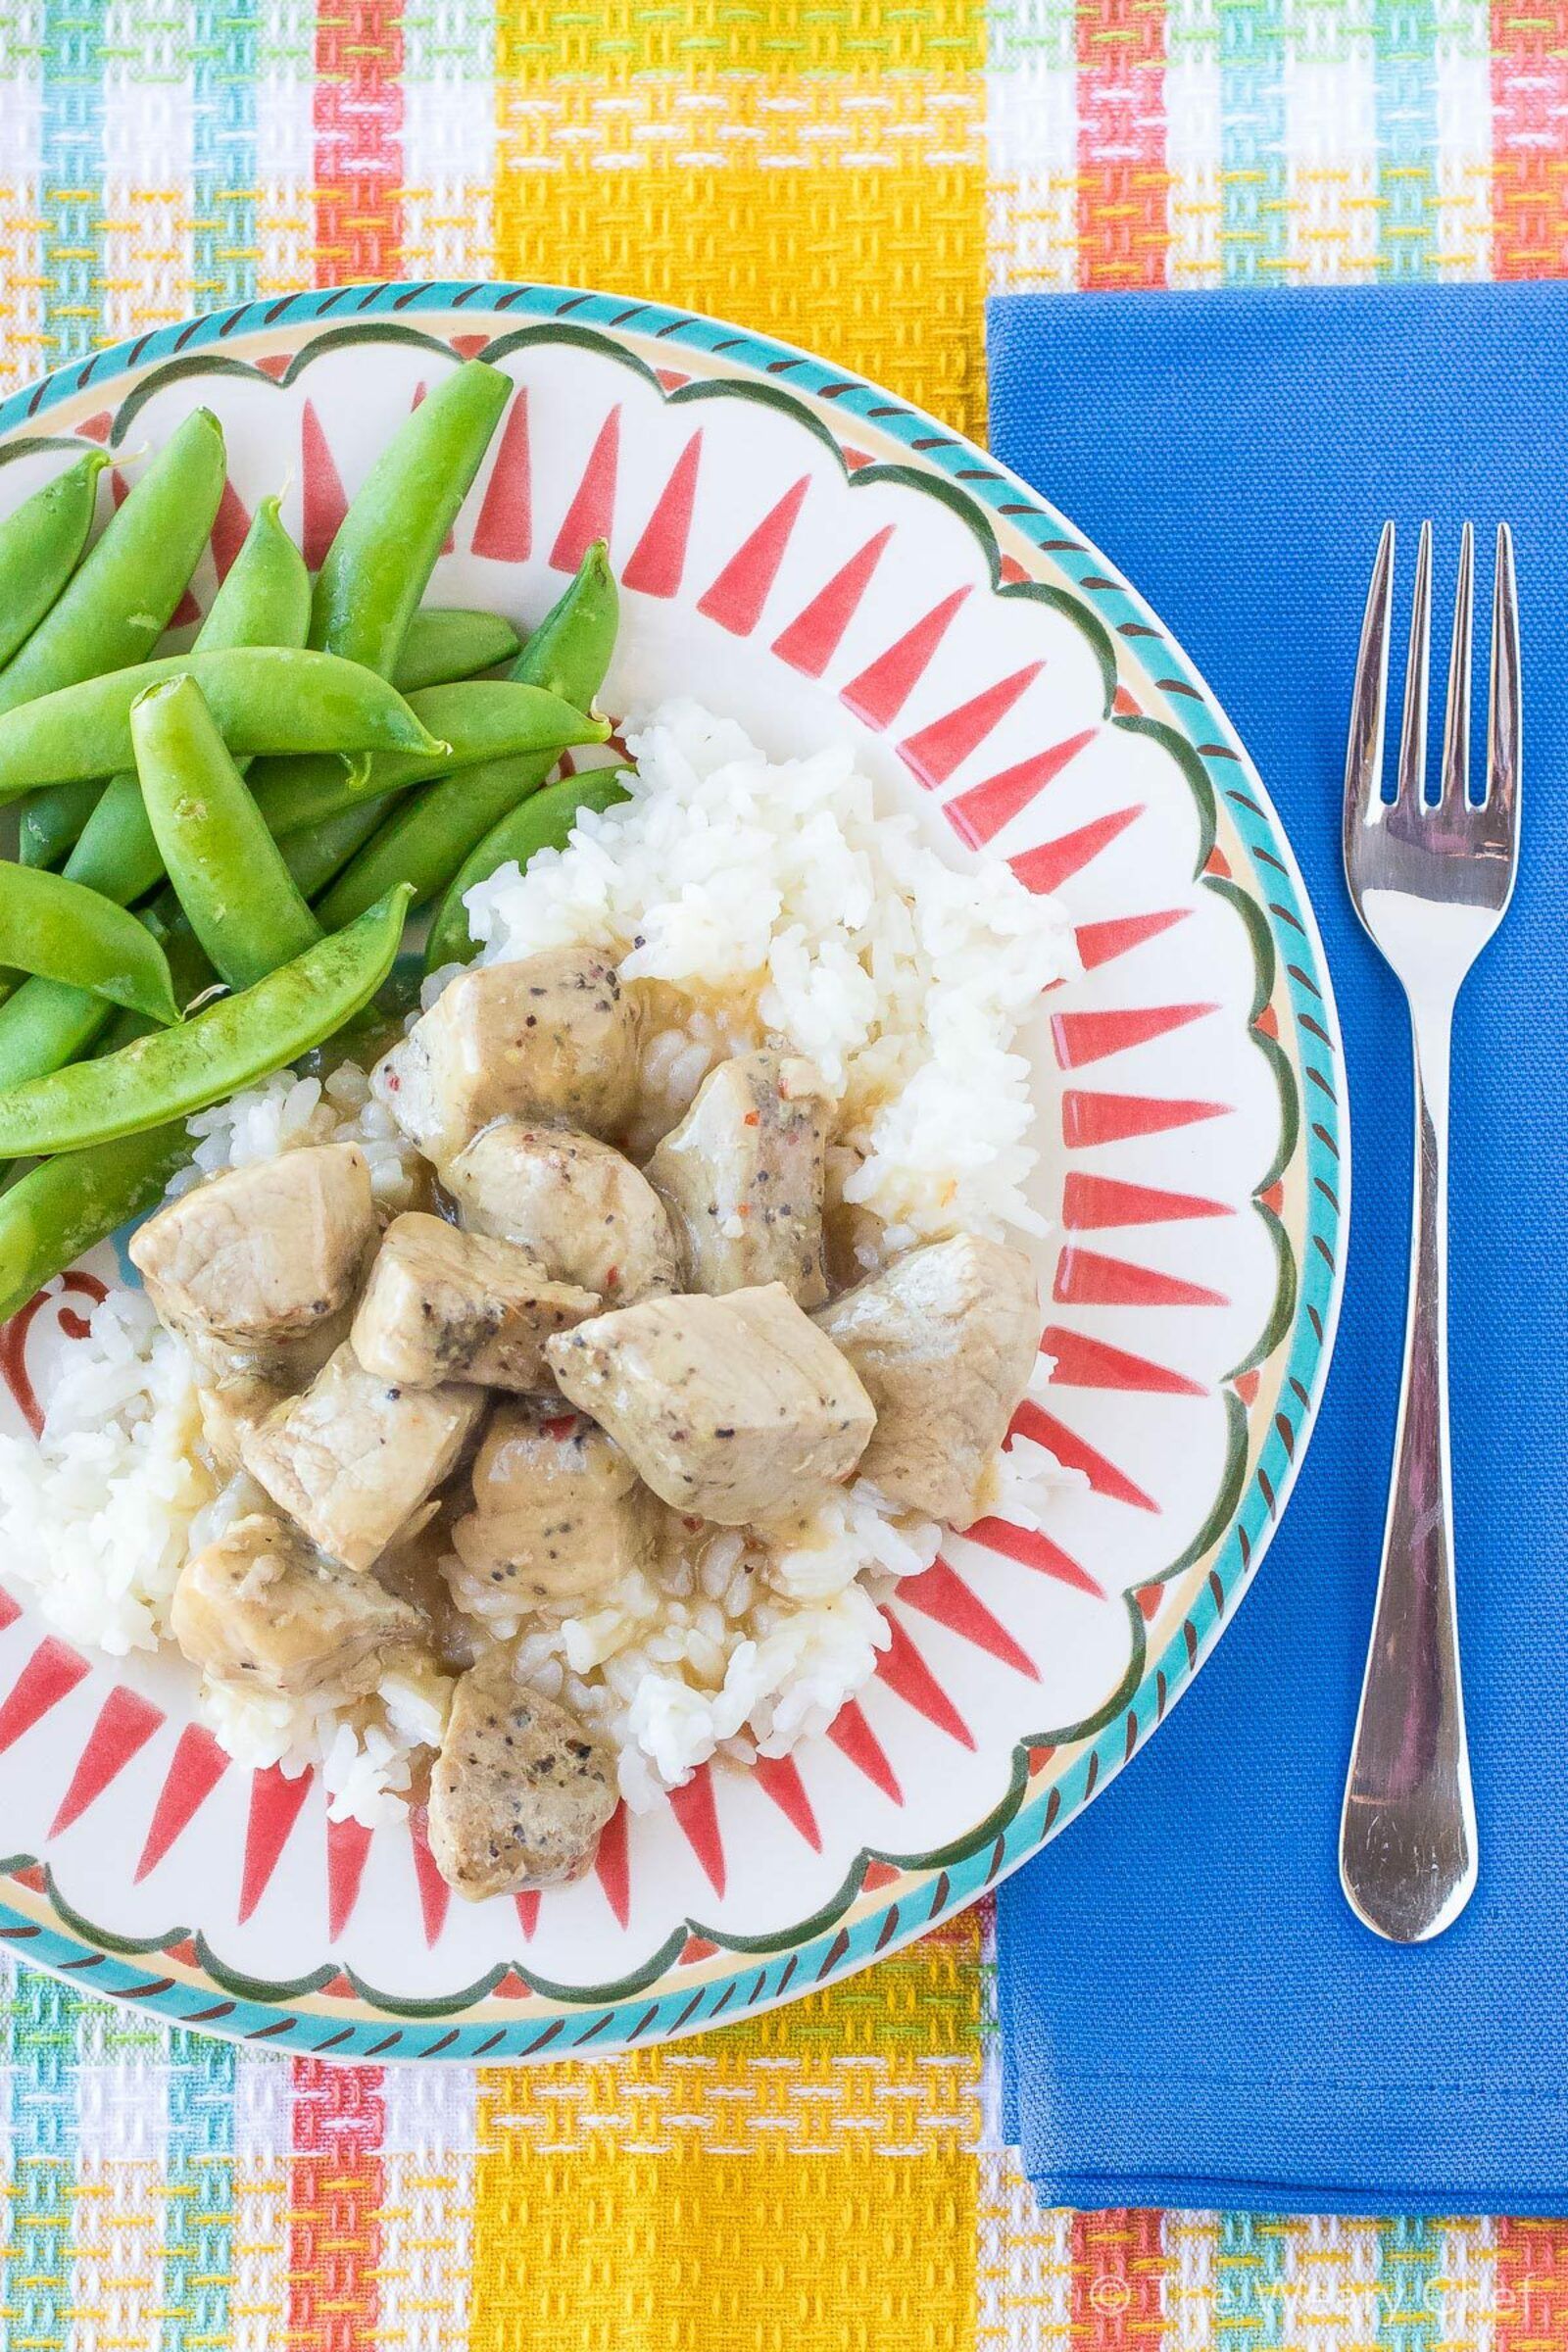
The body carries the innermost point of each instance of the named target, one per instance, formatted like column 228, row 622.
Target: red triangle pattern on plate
column 468, row 347
column 592, row 513
column 98, row 426
column 51, row 1673
column 779, row 1779
column 904, row 1669
column 697, row 1813
column 1084, row 1037
column 936, row 752
column 1086, row 1279
column 1086, row 1363
column 348, row 1843
column 325, row 501
column 1091, row 1203
column 435, row 1895
column 504, row 533
column 737, row 597
column 695, row 1948
column 658, row 559
column 878, row 1873
column 940, row 1593
column 853, row 1738
column 1075, row 1453
column 1089, row 1118
column 812, row 638
column 230, row 527
column 276, row 1805
column 511, row 1987
column 527, row 1909
column 125, row 1723
column 612, row 1865
column 277, row 364
column 1031, row 1550
column 978, row 814
column 1102, row 943
column 881, row 690
column 1050, row 863
column 195, row 1769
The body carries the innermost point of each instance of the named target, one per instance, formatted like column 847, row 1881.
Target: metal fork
column 1431, row 881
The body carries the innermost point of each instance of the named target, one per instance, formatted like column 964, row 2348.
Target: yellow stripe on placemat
column 842, row 211
column 807, row 2180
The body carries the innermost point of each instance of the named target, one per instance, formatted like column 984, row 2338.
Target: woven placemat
column 853, row 176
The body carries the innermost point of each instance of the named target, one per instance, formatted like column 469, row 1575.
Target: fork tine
column 1369, row 697
column 1455, row 786
column 1411, row 784
column 1502, row 720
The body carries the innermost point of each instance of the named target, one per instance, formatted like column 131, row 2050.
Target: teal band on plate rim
column 1288, row 944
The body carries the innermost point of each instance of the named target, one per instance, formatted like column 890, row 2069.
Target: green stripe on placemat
column 199, row 2238
column 1255, row 215
column 1405, row 45
column 223, row 243
column 70, row 193
column 39, row 2023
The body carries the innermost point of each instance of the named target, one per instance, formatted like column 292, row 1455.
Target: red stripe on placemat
column 1122, row 175
column 1531, row 2295
column 336, row 2188
column 1529, row 102
column 357, row 117
column 1118, row 2281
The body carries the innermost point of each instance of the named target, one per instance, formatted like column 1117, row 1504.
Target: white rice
column 769, row 901
column 903, row 978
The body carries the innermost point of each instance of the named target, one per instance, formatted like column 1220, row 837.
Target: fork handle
column 1408, row 1835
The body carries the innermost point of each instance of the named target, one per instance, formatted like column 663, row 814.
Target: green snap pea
column 387, row 544
column 318, row 854
column 63, row 932
column 242, row 902
column 119, row 600
column 230, row 1043
column 60, row 1209
column 53, row 819
column 427, row 839
column 543, row 821
column 264, row 699
column 45, row 1024
column 445, row 642
column 265, row 598
column 477, row 721
column 40, row 543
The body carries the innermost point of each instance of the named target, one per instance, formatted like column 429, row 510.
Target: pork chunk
column 257, row 1262
column 734, row 1409
column 230, row 1409
column 260, row 1607
column 559, row 1513
column 549, row 1037
column 520, row 1790
column 442, row 1304
column 944, row 1340
column 574, row 1204
column 742, row 1175
column 355, row 1458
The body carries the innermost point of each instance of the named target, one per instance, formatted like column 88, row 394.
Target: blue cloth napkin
column 1190, row 2015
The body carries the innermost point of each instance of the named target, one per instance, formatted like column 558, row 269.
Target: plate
column 811, row 556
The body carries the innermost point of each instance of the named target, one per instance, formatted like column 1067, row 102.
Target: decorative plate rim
column 39, row 1924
